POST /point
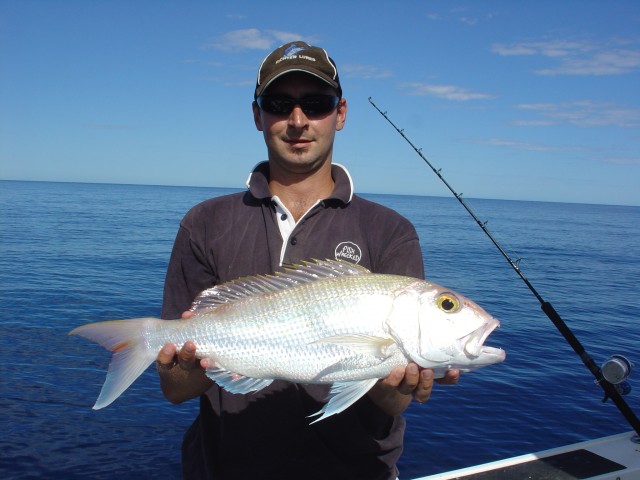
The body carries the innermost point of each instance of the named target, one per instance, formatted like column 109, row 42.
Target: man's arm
column 181, row 376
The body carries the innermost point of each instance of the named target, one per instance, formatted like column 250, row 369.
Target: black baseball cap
column 297, row 57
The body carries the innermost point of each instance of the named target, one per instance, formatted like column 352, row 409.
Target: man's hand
column 185, row 358
column 394, row 393
column 170, row 357
column 181, row 376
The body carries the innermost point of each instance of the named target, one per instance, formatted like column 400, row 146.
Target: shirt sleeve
column 188, row 274
column 397, row 245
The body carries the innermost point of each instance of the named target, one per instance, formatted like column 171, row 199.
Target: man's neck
column 299, row 192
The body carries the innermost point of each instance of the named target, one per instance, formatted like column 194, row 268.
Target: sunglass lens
column 318, row 105
column 276, row 105
column 312, row 105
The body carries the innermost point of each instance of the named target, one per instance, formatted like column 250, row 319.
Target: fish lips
column 473, row 344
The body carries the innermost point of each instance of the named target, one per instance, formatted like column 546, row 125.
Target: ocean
column 73, row 253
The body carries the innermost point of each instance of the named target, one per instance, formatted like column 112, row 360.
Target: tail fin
column 131, row 355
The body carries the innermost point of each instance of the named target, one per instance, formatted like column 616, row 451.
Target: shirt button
column 283, row 217
column 294, row 241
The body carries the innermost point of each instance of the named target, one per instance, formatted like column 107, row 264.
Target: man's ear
column 342, row 114
column 257, row 118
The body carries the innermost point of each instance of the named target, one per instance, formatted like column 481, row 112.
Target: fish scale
column 261, row 353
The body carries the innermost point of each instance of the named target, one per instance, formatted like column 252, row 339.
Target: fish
column 317, row 322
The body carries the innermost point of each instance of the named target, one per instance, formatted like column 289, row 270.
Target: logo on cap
column 292, row 50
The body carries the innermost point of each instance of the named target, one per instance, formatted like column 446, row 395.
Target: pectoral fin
column 235, row 383
column 342, row 395
column 365, row 344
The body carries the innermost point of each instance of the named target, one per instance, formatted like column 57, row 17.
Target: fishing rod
column 613, row 374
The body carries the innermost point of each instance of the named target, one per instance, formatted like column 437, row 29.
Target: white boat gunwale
column 622, row 449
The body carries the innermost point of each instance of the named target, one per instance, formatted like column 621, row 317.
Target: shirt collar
column 258, row 183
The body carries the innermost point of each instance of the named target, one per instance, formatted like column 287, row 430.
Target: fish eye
column 448, row 303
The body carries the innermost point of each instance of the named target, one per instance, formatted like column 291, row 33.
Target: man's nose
column 297, row 117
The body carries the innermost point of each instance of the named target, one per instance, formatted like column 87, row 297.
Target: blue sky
column 526, row 100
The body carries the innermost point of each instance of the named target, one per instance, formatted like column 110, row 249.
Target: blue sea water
column 74, row 253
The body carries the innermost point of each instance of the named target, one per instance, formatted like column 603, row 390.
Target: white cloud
column 254, row 39
column 578, row 57
column 462, row 15
column 581, row 114
column 601, row 63
column 106, row 126
column 536, row 147
column 248, row 38
column 551, row 48
column 363, row 71
column 447, row 92
column 286, row 37
column 469, row 20
column 585, row 153
column 622, row 160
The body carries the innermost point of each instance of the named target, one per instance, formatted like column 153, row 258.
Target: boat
column 616, row 457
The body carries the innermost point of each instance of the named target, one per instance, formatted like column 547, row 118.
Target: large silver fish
column 324, row 322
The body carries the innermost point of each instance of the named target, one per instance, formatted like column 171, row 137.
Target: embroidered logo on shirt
column 348, row 251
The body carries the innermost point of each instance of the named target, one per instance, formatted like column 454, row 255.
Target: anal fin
column 236, row 383
column 342, row 395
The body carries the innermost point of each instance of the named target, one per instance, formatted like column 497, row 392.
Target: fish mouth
column 473, row 343
column 493, row 355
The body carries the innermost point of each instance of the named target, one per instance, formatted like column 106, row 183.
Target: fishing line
column 610, row 389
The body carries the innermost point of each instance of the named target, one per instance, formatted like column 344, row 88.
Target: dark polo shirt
column 267, row 434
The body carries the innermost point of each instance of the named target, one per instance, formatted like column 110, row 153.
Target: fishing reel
column 616, row 370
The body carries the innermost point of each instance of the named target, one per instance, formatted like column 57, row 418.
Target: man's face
column 298, row 143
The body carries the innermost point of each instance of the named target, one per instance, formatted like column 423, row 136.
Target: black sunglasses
column 311, row 105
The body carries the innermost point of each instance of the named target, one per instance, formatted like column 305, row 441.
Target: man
column 298, row 206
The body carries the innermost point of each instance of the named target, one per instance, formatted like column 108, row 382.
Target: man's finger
column 166, row 357
column 187, row 356
column 451, row 377
column 423, row 391
column 411, row 379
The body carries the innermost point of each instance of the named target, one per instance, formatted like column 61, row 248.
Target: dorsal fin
column 292, row 275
